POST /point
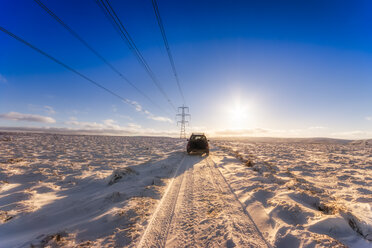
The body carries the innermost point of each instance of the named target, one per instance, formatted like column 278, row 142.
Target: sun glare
column 239, row 115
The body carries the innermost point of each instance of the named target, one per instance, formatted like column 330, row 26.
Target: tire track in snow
column 240, row 222
column 155, row 234
column 198, row 218
column 199, row 209
column 185, row 214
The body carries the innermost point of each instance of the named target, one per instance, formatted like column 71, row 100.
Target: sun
column 239, row 115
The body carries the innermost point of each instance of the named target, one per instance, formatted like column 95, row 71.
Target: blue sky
column 260, row 68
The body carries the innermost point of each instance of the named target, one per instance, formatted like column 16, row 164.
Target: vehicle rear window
column 197, row 137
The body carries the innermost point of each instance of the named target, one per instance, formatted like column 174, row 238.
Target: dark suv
column 197, row 143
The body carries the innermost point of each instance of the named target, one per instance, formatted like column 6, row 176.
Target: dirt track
column 198, row 209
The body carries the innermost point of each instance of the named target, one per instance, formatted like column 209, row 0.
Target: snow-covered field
column 61, row 190
column 101, row 191
column 304, row 193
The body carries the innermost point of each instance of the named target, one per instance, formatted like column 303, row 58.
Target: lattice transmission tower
column 183, row 120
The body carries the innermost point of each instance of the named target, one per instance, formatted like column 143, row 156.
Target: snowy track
column 199, row 209
column 157, row 229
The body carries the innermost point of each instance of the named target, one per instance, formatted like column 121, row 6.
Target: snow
column 101, row 191
column 304, row 193
column 60, row 190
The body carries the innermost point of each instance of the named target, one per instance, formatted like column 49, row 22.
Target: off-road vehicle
column 197, row 143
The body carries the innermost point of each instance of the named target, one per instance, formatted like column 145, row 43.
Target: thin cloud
column 108, row 124
column 134, row 104
column 49, row 96
column 369, row 118
column 157, row 118
column 3, row 79
column 317, row 128
column 121, row 132
column 85, row 125
column 258, row 132
column 148, row 114
column 124, row 117
column 15, row 116
column 134, row 125
column 49, row 110
column 32, row 107
column 37, row 108
column 240, row 132
column 355, row 134
column 111, row 127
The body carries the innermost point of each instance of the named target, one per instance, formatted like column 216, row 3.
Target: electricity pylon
column 183, row 120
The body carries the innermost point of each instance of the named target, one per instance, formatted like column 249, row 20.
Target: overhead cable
column 66, row 66
column 161, row 26
column 106, row 6
column 77, row 36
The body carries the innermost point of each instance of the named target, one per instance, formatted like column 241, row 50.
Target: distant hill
column 316, row 140
column 362, row 142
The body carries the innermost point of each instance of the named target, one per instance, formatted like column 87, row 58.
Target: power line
column 64, row 65
column 77, row 36
column 109, row 18
column 161, row 26
column 132, row 46
column 183, row 115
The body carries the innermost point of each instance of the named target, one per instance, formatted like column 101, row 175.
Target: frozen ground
column 99, row 191
column 96, row 191
column 304, row 193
